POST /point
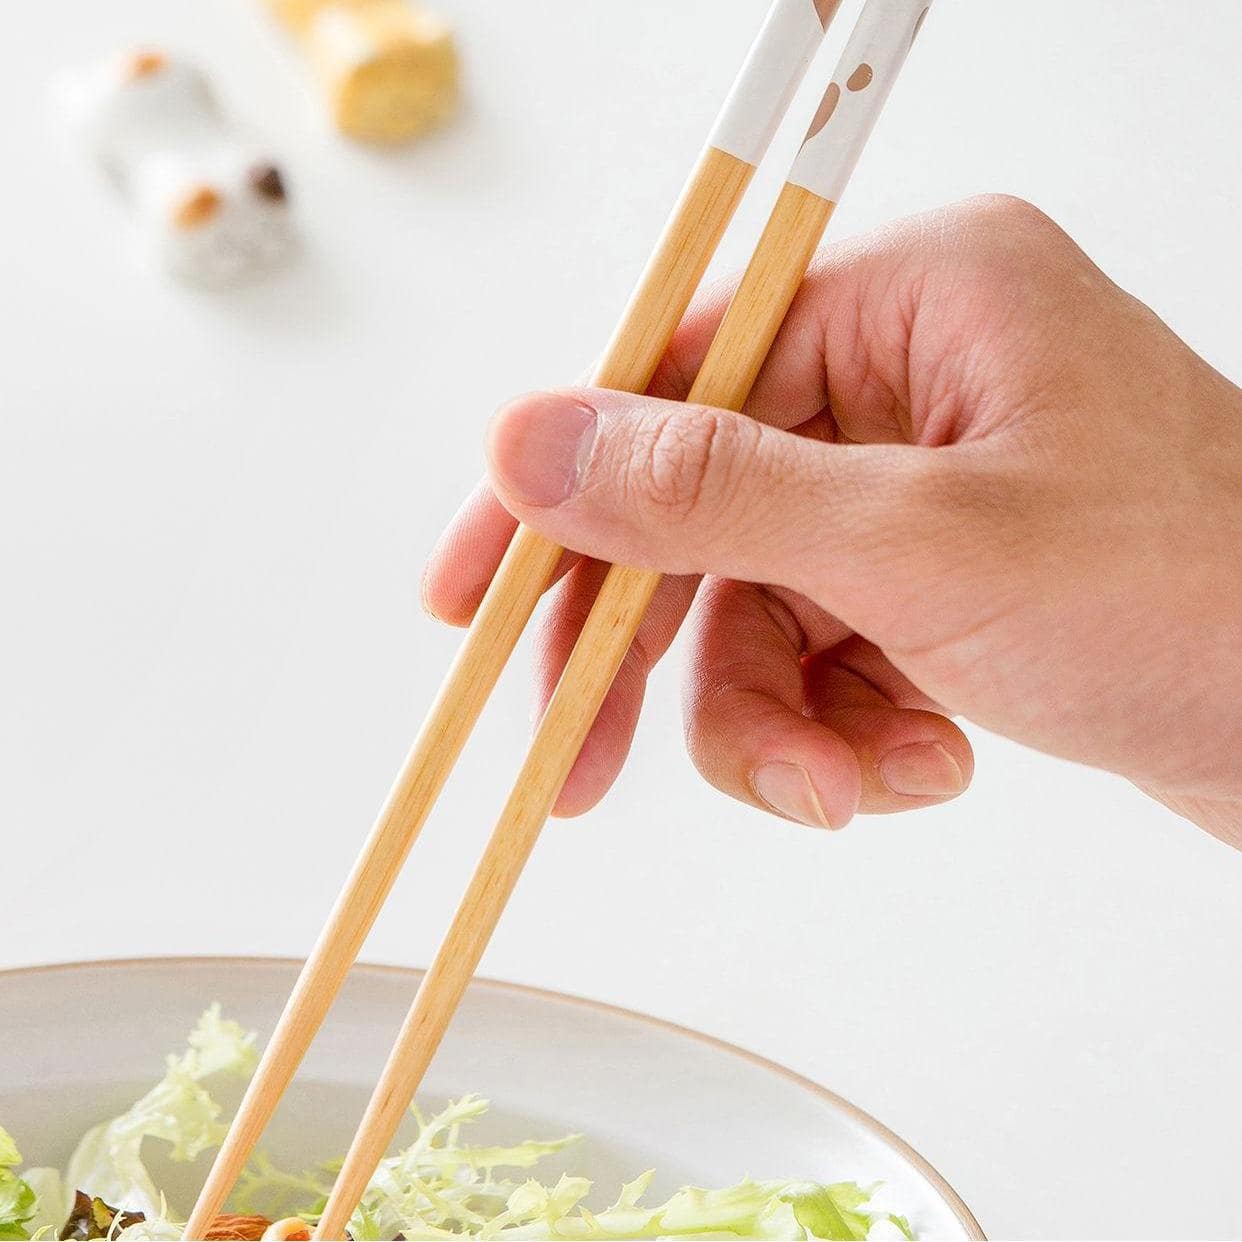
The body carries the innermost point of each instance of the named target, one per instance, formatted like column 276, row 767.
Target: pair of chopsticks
column 774, row 68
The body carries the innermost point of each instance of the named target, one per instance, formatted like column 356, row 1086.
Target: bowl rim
column 952, row 1199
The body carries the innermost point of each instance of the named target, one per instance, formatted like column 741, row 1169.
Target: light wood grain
column 655, row 309
column 725, row 379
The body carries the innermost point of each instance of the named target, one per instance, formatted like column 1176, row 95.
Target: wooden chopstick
column 872, row 58
column 776, row 64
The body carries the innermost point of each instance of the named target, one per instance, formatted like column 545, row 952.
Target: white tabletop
column 215, row 508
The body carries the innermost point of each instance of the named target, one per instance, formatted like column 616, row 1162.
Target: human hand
column 976, row 478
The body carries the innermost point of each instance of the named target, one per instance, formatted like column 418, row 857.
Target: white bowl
column 81, row 1041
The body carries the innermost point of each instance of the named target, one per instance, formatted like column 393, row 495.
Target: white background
column 214, row 510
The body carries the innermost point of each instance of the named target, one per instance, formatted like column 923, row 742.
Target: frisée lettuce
column 440, row 1186
column 18, row 1200
column 108, row 1161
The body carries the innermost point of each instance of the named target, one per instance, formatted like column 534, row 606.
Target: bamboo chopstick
column 872, row 58
column 775, row 65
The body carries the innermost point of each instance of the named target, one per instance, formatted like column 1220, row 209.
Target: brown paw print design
column 874, row 54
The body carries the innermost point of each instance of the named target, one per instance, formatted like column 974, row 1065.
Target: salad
column 440, row 1186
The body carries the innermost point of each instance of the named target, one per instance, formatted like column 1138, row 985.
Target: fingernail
column 539, row 445
column 924, row 769
column 787, row 789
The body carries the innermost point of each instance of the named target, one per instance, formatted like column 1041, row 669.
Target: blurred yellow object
column 296, row 14
column 389, row 68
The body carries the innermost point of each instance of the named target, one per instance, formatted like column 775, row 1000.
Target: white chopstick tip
column 854, row 99
column 775, row 66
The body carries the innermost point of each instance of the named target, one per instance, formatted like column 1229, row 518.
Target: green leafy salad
column 440, row 1186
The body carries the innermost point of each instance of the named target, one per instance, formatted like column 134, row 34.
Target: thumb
column 691, row 490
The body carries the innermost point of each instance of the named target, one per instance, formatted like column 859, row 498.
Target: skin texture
column 976, row 478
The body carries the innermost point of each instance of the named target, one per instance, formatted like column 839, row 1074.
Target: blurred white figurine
column 212, row 205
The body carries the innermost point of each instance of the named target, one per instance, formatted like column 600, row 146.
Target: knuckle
column 997, row 227
column 1006, row 211
column 674, row 460
column 1000, row 244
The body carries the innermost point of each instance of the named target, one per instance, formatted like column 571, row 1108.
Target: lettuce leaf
column 442, row 1187
column 839, row 1211
column 93, row 1218
column 51, row 1200
column 107, row 1163
column 772, row 1209
column 18, row 1202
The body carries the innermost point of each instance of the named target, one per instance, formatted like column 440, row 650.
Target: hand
column 976, row 478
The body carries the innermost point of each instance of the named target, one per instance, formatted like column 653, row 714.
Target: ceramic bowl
column 81, row 1041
